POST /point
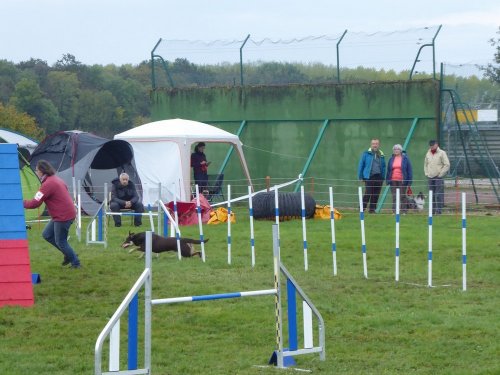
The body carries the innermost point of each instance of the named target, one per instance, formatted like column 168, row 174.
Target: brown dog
column 161, row 244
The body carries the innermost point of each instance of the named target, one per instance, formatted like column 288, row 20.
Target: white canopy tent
column 162, row 153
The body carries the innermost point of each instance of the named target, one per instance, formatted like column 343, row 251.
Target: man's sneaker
column 66, row 261
column 118, row 225
column 76, row 266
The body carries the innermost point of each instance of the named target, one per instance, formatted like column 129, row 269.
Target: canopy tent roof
column 162, row 151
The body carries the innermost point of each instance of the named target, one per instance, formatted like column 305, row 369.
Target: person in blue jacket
column 399, row 176
column 371, row 170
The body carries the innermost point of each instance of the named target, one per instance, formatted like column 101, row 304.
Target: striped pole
column 177, row 234
column 397, row 233
column 464, row 244
column 304, row 235
column 332, row 222
column 277, row 296
column 200, row 223
column 429, row 254
column 133, row 324
column 250, row 211
column 228, row 224
column 362, row 222
column 276, row 210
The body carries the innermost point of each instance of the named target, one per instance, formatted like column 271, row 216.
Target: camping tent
column 90, row 159
column 162, row 152
column 29, row 181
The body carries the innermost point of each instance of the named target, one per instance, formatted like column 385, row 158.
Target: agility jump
column 280, row 355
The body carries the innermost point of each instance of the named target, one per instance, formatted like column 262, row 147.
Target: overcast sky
column 125, row 31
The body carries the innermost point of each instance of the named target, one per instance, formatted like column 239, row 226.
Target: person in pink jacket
column 54, row 193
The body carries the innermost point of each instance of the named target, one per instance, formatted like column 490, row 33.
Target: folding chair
column 215, row 186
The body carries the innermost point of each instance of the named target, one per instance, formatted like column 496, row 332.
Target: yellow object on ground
column 323, row 212
column 220, row 216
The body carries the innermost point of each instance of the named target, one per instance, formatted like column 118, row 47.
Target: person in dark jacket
column 124, row 196
column 200, row 166
column 54, row 193
column 399, row 176
column 371, row 170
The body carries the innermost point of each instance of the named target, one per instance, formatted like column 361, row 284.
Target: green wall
column 283, row 123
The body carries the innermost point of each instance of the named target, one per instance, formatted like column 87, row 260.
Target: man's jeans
column 436, row 185
column 56, row 233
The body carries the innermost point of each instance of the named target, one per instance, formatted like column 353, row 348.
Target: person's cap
column 432, row 142
column 201, row 144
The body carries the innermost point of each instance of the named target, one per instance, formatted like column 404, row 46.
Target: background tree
column 493, row 70
column 22, row 123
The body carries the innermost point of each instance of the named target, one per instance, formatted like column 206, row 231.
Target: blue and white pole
column 362, row 222
column 200, row 223
column 464, row 244
column 429, row 253
column 250, row 212
column 332, row 222
column 177, row 234
column 304, row 234
column 397, row 233
column 228, row 224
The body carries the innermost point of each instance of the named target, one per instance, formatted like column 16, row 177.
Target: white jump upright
column 304, row 234
column 464, row 243
column 252, row 237
column 200, row 223
column 429, row 252
column 228, row 224
column 362, row 223
column 396, row 272
column 177, row 234
column 332, row 225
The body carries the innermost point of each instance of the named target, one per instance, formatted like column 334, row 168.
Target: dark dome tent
column 90, row 159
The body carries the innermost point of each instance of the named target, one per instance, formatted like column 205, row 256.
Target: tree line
column 37, row 99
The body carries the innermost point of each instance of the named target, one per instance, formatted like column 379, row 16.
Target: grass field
column 373, row 326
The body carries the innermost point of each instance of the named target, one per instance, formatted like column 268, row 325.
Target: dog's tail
column 196, row 242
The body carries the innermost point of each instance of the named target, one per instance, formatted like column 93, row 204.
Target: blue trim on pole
column 216, row 296
column 332, row 215
column 397, row 218
column 229, row 240
column 202, row 238
column 429, row 255
column 397, row 251
column 464, row 259
column 277, row 212
column 165, row 225
column 292, row 315
column 363, row 249
column 303, row 212
column 100, row 222
column 430, row 220
column 305, row 244
column 464, row 223
column 361, row 216
column 133, row 322
column 252, row 242
column 251, row 211
column 334, row 246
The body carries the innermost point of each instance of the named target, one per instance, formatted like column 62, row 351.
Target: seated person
column 124, row 196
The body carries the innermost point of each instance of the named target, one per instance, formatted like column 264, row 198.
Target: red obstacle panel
column 15, row 274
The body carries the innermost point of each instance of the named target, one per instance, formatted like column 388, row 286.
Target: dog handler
column 436, row 166
column 54, row 193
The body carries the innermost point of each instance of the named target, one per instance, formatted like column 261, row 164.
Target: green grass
column 373, row 326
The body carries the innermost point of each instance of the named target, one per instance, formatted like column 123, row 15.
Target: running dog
column 161, row 244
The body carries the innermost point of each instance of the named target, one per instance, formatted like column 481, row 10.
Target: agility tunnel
column 289, row 206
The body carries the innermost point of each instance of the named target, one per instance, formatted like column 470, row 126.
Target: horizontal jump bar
column 131, row 214
column 209, row 297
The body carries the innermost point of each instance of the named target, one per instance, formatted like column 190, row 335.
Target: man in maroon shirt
column 54, row 193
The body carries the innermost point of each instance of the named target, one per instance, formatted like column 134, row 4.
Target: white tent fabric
column 162, row 152
column 11, row 136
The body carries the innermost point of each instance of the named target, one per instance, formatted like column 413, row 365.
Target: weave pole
column 250, row 212
column 332, row 224
column 228, row 224
column 363, row 240
column 200, row 223
column 177, row 234
column 397, row 234
column 429, row 254
column 464, row 244
column 304, row 235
